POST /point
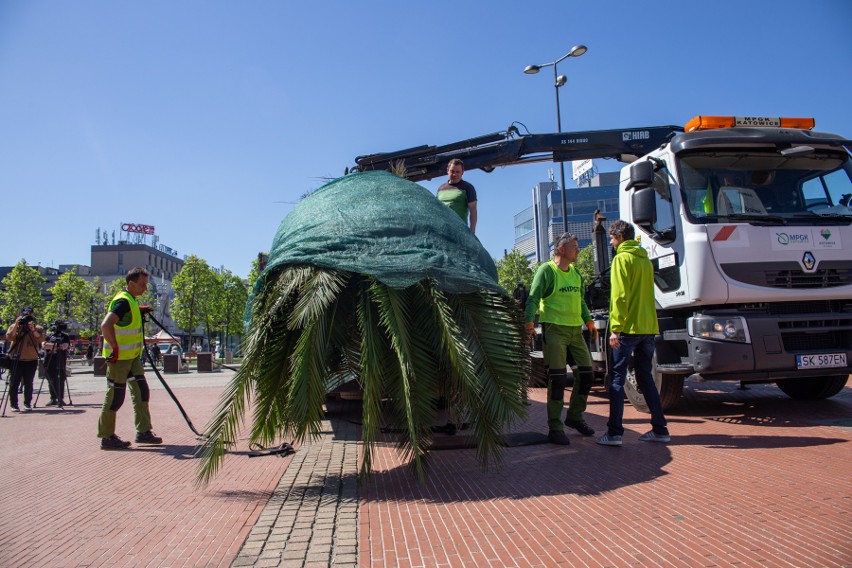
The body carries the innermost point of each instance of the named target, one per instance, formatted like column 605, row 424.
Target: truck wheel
column 670, row 387
column 813, row 388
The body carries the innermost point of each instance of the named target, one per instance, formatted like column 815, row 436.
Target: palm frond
column 492, row 335
column 267, row 348
column 413, row 394
column 314, row 327
column 374, row 370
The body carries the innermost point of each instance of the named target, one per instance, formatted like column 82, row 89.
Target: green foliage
column 585, row 264
column 227, row 300
column 194, row 302
column 514, row 268
column 22, row 288
column 67, row 299
column 254, row 273
column 92, row 304
column 119, row 285
column 313, row 328
column 233, row 303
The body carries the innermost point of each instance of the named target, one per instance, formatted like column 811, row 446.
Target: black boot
column 580, row 426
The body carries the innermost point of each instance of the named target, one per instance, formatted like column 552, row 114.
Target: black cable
column 163, row 381
column 283, row 450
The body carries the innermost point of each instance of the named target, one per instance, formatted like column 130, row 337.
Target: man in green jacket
column 633, row 326
column 557, row 294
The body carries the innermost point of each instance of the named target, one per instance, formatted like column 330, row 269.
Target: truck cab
column 748, row 224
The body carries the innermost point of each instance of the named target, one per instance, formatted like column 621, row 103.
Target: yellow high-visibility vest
column 129, row 337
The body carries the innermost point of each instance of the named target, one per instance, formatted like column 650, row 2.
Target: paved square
column 750, row 478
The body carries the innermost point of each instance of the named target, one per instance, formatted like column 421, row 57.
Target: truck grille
column 804, row 342
column 789, row 275
column 799, row 279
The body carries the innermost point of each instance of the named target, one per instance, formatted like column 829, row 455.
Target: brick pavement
column 65, row 502
column 751, row 478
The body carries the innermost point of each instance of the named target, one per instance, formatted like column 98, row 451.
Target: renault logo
column 809, row 261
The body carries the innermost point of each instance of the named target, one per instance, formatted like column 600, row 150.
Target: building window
column 524, row 228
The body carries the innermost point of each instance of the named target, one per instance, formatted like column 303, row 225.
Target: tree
column 585, row 264
column 68, row 295
column 514, row 268
column 93, row 304
column 233, row 304
column 21, row 288
column 119, row 285
column 255, row 271
column 193, row 301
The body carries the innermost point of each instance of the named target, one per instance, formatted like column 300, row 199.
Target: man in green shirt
column 557, row 294
column 459, row 195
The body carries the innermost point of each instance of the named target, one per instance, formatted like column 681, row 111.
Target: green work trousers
column 557, row 340
column 122, row 375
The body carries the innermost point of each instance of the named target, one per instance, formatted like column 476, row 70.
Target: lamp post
column 223, row 325
column 558, row 81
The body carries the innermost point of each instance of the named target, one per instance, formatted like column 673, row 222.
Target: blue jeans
column 642, row 349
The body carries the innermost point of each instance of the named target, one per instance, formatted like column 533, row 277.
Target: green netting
column 379, row 224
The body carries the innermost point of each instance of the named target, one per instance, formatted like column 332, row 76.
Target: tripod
column 56, row 361
column 3, row 399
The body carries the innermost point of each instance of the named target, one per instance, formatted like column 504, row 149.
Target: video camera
column 27, row 316
column 58, row 326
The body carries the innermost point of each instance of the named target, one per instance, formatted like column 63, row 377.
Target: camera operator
column 26, row 338
column 55, row 361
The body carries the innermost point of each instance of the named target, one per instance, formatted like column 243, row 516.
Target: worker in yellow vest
column 123, row 345
column 557, row 294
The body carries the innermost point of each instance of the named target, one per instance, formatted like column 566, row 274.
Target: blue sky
column 201, row 118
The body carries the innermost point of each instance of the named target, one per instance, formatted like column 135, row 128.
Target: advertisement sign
column 580, row 167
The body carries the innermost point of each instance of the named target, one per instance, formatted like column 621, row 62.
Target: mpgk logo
column 793, row 238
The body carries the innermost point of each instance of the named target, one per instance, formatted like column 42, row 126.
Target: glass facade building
column 538, row 226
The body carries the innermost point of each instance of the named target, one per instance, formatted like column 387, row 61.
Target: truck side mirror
column 641, row 175
column 644, row 208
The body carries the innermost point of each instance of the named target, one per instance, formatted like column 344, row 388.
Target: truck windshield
column 724, row 187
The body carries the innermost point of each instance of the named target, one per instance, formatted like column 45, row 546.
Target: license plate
column 823, row 361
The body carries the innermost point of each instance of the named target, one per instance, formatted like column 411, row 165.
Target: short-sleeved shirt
column 456, row 196
column 121, row 308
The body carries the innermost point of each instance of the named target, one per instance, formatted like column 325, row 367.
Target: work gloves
column 113, row 357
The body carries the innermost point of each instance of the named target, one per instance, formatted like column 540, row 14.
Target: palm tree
column 313, row 327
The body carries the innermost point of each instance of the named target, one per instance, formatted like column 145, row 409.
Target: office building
column 538, row 226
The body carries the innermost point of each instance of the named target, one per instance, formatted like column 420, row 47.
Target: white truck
column 748, row 222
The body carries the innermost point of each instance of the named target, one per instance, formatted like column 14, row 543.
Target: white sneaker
column 654, row 437
column 27, row 408
column 607, row 440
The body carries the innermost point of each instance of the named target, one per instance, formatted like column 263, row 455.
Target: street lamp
column 223, row 326
column 558, row 81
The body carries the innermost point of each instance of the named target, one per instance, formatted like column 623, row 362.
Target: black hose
column 162, row 380
column 283, row 450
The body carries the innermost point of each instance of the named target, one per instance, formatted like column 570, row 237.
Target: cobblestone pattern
column 311, row 520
